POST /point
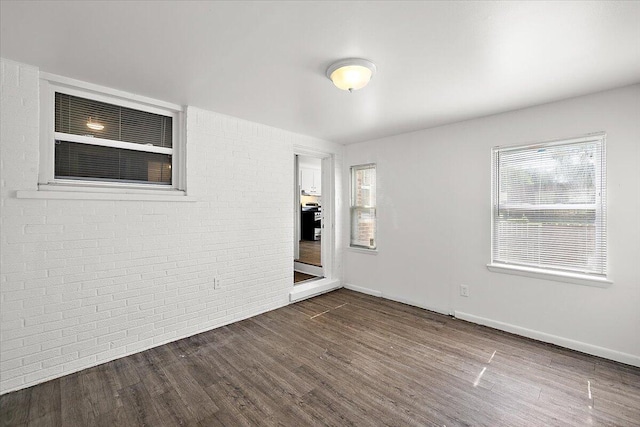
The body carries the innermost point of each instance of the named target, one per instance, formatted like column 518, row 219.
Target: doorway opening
column 309, row 224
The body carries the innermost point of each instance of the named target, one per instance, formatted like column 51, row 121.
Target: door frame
column 328, row 208
column 296, row 207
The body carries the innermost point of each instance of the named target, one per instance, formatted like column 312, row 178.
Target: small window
column 363, row 206
column 549, row 206
column 99, row 139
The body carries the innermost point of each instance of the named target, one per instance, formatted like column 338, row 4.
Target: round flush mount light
column 351, row 74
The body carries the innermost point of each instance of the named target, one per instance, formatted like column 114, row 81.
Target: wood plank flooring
column 310, row 252
column 339, row 359
column 301, row 277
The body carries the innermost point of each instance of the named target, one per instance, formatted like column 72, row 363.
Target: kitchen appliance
column 311, row 221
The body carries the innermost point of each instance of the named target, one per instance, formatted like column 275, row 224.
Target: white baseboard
column 594, row 350
column 313, row 288
column 415, row 304
column 395, row 298
column 363, row 290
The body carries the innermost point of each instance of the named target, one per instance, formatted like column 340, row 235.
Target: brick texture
column 87, row 281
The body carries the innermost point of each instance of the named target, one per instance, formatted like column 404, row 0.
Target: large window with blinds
column 363, row 206
column 103, row 139
column 549, row 206
column 99, row 141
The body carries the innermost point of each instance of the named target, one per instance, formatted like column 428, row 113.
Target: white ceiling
column 438, row 62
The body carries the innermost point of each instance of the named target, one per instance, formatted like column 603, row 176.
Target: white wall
column 434, row 226
column 309, row 162
column 86, row 281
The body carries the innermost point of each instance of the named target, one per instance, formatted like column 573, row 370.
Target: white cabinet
column 311, row 181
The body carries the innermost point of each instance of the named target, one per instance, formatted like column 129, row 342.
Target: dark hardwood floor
column 342, row 358
column 302, row 277
column 310, row 252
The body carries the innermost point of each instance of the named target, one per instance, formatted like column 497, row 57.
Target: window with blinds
column 363, row 206
column 549, row 206
column 98, row 141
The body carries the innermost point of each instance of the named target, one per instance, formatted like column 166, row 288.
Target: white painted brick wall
column 87, row 281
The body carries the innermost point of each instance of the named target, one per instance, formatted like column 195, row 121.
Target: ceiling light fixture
column 351, row 74
column 94, row 125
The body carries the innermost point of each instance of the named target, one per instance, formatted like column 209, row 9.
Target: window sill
column 576, row 278
column 363, row 250
column 67, row 192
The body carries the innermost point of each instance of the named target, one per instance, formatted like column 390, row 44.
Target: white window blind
column 98, row 141
column 549, row 206
column 363, row 206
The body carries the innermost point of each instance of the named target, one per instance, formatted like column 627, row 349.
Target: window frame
column 50, row 84
column 354, row 208
column 557, row 274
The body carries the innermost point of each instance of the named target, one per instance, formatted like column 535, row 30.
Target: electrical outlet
column 464, row 290
column 216, row 283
